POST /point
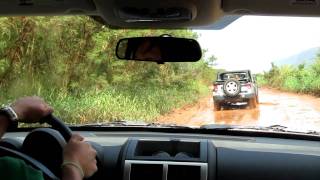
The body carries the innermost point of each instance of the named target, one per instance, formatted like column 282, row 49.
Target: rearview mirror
column 159, row 49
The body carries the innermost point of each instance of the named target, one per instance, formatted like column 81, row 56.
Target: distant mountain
column 307, row 57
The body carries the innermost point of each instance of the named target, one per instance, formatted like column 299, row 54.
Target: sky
column 253, row 42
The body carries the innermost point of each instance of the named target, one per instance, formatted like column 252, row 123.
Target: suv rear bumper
column 242, row 97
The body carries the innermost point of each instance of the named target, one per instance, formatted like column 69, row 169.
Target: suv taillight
column 248, row 85
column 216, row 87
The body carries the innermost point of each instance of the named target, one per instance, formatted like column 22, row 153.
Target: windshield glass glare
column 258, row 71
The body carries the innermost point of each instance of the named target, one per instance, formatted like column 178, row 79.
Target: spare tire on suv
column 232, row 87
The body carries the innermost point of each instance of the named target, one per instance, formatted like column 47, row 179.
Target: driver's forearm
column 70, row 173
column 4, row 123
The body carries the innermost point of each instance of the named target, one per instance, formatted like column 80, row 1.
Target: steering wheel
column 56, row 124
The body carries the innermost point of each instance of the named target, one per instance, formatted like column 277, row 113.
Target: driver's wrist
column 8, row 118
column 70, row 158
column 71, row 173
column 18, row 112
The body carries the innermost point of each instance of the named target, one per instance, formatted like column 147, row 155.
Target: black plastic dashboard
column 171, row 156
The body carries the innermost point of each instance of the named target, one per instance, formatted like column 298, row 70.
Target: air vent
column 164, row 170
column 168, row 149
column 146, row 171
column 176, row 172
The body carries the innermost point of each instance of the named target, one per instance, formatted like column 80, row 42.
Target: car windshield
column 258, row 71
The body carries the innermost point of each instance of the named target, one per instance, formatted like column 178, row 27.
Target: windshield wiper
column 277, row 128
column 124, row 123
column 169, row 126
column 272, row 128
column 210, row 127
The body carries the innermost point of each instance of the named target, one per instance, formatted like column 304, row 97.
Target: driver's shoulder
column 13, row 168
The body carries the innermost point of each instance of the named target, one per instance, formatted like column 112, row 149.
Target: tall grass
column 119, row 103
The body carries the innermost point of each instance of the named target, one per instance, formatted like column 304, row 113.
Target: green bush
column 301, row 79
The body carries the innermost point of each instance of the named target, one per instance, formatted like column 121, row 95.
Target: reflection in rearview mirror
column 159, row 49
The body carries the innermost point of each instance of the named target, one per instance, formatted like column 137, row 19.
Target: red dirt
column 295, row 111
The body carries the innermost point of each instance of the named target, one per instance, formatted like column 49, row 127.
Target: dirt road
column 301, row 112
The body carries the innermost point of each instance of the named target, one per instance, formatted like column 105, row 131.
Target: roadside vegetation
column 301, row 79
column 70, row 62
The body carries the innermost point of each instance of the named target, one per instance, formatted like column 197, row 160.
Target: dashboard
column 136, row 155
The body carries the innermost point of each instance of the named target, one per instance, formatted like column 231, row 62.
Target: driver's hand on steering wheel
column 79, row 156
column 31, row 109
column 80, row 152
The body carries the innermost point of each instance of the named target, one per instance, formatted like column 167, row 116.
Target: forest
column 70, row 62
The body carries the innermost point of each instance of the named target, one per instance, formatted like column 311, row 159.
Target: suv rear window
column 238, row 76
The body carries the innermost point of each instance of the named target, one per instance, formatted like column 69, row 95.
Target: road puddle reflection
column 237, row 117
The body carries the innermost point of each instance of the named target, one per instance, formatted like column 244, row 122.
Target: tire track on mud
column 296, row 111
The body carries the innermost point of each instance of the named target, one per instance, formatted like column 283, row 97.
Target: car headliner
column 205, row 14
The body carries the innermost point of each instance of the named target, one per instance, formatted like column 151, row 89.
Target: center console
column 171, row 159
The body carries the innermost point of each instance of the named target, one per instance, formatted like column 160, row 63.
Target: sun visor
column 46, row 7
column 159, row 13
